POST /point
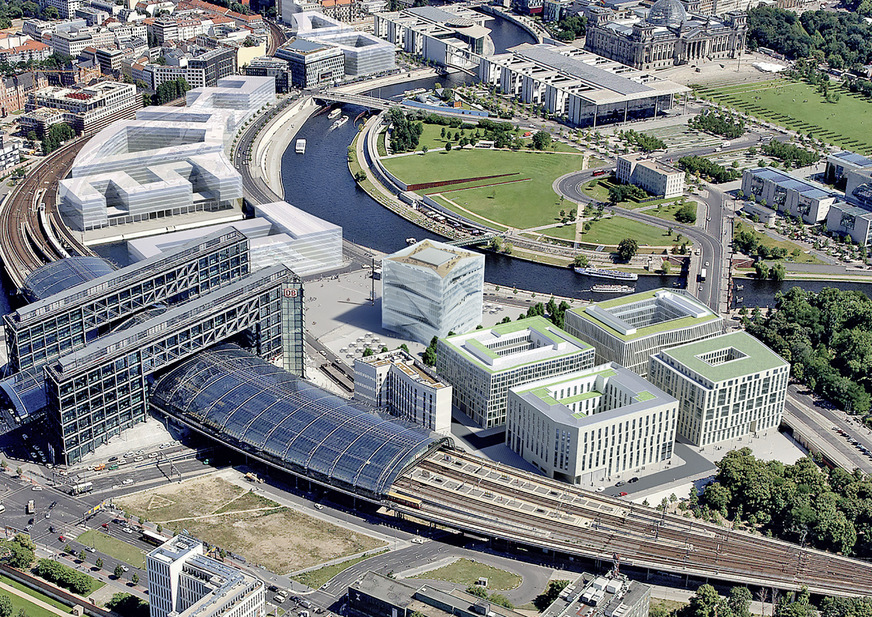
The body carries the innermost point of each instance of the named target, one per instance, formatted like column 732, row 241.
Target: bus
column 702, row 274
column 79, row 489
column 153, row 537
column 31, row 507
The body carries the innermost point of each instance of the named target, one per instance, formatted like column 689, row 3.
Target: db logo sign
column 290, row 293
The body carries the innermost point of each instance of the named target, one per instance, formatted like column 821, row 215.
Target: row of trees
column 642, row 141
column 842, row 39
column 624, row 192
column 570, row 28
column 793, row 156
column 830, row 510
column 827, row 337
column 555, row 313
column 64, row 576
column 747, row 241
column 706, row 167
column 718, row 122
column 170, row 91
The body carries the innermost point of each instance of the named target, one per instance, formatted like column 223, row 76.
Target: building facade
column 853, row 221
column 786, row 194
column 396, row 382
column 312, row 63
column 728, row 387
column 667, row 36
column 840, row 163
column 430, row 289
column 629, row 329
column 89, row 109
column 267, row 66
column 10, row 152
column 483, row 365
column 587, row 426
column 656, row 178
column 183, row 582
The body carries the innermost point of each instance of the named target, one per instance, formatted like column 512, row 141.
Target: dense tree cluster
column 551, row 593
column 62, row 575
column 793, row 156
column 707, row 167
column 18, row 552
column 642, row 141
column 128, row 605
column 627, row 249
column 842, row 39
column 170, row 91
column 405, row 131
column 748, row 242
column 800, row 502
column 686, row 213
column 55, row 136
column 571, row 28
column 722, row 123
column 541, row 140
column 623, row 192
column 555, row 313
column 17, row 9
column 828, row 339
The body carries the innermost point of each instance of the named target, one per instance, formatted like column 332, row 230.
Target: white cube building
column 396, row 382
column 728, row 387
column 627, row 330
column 482, row 365
column 588, row 426
column 430, row 289
column 182, row 582
column 653, row 176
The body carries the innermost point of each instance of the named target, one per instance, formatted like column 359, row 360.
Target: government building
column 587, row 426
column 667, row 36
column 728, row 387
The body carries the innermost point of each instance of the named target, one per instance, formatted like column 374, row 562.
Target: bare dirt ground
column 242, row 522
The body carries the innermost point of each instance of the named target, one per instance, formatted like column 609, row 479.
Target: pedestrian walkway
column 25, row 596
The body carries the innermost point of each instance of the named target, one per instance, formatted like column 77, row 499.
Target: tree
column 551, row 593
column 686, row 213
column 135, row 579
column 118, row 571
column 368, row 352
column 739, row 601
column 82, row 555
column 99, row 563
column 777, row 272
column 542, row 140
column 761, row 270
column 581, row 261
column 627, row 249
column 424, row 149
column 5, row 606
column 448, row 146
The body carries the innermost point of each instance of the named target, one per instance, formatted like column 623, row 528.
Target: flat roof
column 852, row 158
column 750, row 356
column 600, row 313
column 789, row 182
column 437, row 256
column 548, row 342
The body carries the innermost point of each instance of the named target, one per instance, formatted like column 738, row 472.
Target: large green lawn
column 528, row 203
column 432, row 138
column 113, row 547
column 800, row 107
column 30, row 609
column 613, row 229
column 34, row 594
column 467, row 572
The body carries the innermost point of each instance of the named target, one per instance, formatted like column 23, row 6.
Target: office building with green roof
column 589, row 426
column 483, row 364
column 629, row 329
column 728, row 387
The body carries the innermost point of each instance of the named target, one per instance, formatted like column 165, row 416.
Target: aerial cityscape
column 436, row 308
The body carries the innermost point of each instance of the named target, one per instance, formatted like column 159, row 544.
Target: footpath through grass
column 467, row 572
column 799, row 106
column 113, row 547
column 527, row 201
column 34, row 594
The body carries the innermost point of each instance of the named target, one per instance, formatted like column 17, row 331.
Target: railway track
column 469, row 493
column 25, row 243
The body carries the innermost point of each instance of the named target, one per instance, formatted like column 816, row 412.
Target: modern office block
column 655, row 177
column 854, row 221
column 729, row 386
column 786, row 194
column 182, row 582
column 483, row 365
column 92, row 108
column 840, row 163
column 268, row 66
column 587, row 426
column 395, row 381
column 627, row 330
column 312, row 63
column 430, row 289
column 364, row 53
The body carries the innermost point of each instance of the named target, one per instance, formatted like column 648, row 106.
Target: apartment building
column 92, row 108
column 655, row 177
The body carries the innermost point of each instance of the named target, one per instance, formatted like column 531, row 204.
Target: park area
column 244, row 523
column 20, row 601
column 800, row 107
column 467, row 572
column 113, row 547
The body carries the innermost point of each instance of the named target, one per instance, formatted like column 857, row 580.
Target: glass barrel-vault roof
column 255, row 405
column 63, row 274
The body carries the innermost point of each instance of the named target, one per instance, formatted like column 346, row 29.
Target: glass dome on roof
column 63, row 274
column 254, row 405
column 668, row 13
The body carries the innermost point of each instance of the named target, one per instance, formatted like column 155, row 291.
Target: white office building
column 396, row 382
column 627, row 330
column 787, row 194
column 587, row 426
column 430, row 289
column 730, row 386
column 89, row 109
column 656, row 178
column 182, row 582
column 482, row 365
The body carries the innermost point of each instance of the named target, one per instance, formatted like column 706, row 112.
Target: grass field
column 30, row 609
column 466, row 572
column 766, row 240
column 113, row 547
column 666, row 211
column 528, row 202
column 432, row 138
column 316, row 578
column 800, row 107
column 230, row 517
column 612, row 230
column 34, row 594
